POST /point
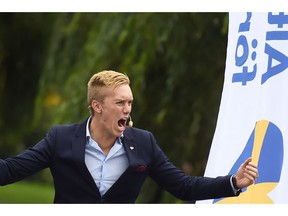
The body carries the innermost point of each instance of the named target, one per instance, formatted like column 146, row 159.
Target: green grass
column 26, row 193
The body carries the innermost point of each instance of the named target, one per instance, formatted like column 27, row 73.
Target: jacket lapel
column 135, row 163
column 130, row 147
column 78, row 151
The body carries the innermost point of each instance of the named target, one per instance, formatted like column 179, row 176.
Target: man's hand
column 246, row 174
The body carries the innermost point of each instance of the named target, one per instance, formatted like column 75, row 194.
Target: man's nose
column 127, row 108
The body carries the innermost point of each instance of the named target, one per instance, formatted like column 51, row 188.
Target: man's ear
column 96, row 106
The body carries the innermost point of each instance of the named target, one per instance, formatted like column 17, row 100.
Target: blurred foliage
column 175, row 61
column 26, row 192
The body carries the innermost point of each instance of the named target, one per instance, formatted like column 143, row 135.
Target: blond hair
column 106, row 78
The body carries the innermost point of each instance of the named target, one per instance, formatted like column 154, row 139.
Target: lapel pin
column 131, row 147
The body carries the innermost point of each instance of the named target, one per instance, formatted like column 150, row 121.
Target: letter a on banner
column 253, row 114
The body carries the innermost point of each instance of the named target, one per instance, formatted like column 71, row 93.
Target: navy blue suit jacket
column 63, row 151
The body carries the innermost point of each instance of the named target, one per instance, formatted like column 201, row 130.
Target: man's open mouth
column 122, row 122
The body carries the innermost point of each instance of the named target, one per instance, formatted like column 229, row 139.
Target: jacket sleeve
column 182, row 186
column 28, row 162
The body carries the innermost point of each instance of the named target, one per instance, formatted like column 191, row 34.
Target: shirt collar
column 87, row 128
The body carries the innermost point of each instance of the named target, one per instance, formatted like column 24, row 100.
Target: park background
column 176, row 63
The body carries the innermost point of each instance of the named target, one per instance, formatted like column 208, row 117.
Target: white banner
column 253, row 115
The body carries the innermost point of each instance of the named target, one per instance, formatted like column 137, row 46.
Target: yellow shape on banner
column 256, row 194
column 260, row 131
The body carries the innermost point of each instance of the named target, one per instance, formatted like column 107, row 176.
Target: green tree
column 22, row 51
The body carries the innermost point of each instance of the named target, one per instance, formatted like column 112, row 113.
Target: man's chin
column 120, row 131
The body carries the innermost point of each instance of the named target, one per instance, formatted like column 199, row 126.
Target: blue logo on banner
column 246, row 53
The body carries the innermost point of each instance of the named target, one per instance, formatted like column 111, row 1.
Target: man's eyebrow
column 123, row 99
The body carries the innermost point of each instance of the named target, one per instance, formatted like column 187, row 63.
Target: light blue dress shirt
column 105, row 170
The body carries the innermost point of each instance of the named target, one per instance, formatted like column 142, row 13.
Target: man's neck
column 104, row 140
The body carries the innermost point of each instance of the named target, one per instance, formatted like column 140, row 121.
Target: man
column 102, row 161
